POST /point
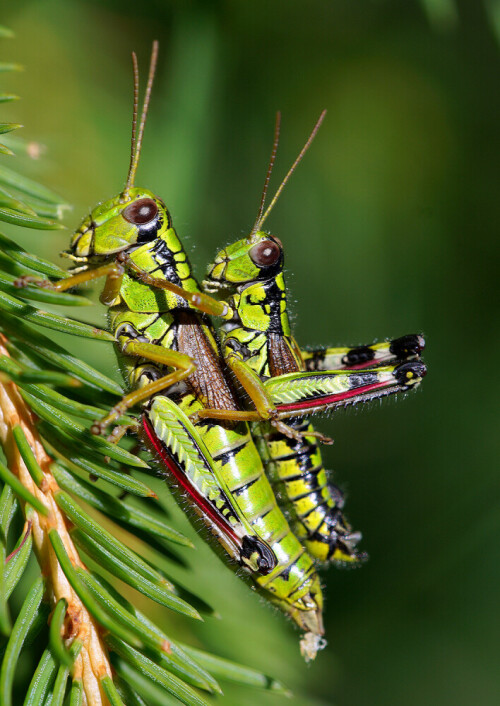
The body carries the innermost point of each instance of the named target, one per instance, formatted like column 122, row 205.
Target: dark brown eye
column 265, row 253
column 140, row 212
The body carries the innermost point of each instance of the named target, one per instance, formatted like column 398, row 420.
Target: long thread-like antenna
column 291, row 170
column 268, row 174
column 137, row 140
column 135, row 107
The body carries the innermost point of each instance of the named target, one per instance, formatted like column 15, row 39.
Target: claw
column 292, row 433
column 99, row 426
column 322, row 438
column 119, row 432
column 287, row 430
column 25, row 280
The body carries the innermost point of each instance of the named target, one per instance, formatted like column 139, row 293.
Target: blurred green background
column 390, row 227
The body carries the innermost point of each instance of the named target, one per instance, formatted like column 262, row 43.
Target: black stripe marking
column 309, row 476
column 356, row 356
column 297, row 449
column 261, row 517
column 245, row 487
column 320, row 505
column 313, row 491
column 226, row 456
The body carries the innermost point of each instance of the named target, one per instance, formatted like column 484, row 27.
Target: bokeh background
column 390, row 227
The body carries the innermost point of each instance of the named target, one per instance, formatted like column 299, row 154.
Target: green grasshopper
column 258, row 343
column 173, row 367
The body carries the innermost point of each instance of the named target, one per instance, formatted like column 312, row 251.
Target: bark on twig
column 92, row 662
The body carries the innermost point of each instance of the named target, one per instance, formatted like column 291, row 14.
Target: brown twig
column 92, row 663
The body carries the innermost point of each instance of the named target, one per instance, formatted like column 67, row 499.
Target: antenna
column 133, row 141
column 136, row 142
column 272, row 159
column 291, row 171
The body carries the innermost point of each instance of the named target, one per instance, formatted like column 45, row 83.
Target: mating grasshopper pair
column 193, row 419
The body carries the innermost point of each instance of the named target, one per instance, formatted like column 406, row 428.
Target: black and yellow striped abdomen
column 298, row 476
column 295, row 467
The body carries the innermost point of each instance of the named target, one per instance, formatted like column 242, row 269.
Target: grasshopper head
column 117, row 225
column 254, row 259
column 259, row 257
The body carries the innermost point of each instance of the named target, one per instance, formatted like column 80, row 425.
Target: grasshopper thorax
column 119, row 225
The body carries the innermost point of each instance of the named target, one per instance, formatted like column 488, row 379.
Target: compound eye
column 140, row 212
column 265, row 253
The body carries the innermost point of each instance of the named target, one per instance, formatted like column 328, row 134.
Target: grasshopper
column 257, row 343
column 173, row 367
